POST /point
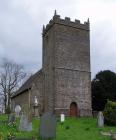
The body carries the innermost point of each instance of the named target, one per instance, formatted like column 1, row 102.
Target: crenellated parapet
column 66, row 22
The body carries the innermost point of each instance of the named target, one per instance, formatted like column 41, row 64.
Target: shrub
column 110, row 113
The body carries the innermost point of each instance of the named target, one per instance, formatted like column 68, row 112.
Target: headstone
column 62, row 118
column 24, row 124
column 29, row 126
column 48, row 126
column 100, row 119
column 11, row 118
column 17, row 110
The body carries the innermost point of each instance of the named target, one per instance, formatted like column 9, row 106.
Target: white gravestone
column 17, row 110
column 100, row 119
column 62, row 117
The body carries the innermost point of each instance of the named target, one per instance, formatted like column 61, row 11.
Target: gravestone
column 24, row 124
column 11, row 118
column 48, row 126
column 17, row 110
column 100, row 119
column 62, row 118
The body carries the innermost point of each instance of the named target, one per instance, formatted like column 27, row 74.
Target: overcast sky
column 21, row 24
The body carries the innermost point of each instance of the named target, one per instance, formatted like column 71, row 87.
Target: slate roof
column 28, row 84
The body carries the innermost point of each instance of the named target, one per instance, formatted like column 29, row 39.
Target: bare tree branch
column 11, row 76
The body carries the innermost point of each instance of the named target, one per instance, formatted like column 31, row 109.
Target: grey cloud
column 19, row 36
column 103, row 50
column 21, row 23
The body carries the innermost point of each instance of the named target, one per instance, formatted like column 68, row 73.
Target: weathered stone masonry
column 66, row 65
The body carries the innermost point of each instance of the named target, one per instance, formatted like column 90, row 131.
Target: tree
column 103, row 88
column 11, row 76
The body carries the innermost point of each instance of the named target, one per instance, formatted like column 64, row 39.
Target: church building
column 63, row 85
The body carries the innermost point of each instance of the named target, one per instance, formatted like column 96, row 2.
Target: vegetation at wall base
column 110, row 113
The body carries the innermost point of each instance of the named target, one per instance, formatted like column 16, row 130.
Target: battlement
column 66, row 22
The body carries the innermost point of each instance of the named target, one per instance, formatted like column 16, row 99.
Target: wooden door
column 73, row 109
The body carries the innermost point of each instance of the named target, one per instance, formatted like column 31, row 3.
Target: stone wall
column 22, row 100
column 72, row 48
column 48, row 69
column 26, row 98
column 37, row 90
column 73, row 86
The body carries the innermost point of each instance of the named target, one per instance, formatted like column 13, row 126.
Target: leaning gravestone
column 24, row 124
column 11, row 118
column 17, row 110
column 48, row 126
column 100, row 119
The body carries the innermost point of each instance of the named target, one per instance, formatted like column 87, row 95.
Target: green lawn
column 72, row 129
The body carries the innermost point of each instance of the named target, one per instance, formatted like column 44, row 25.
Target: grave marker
column 24, row 124
column 100, row 119
column 62, row 117
column 48, row 126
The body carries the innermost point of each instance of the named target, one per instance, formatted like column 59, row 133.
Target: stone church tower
column 63, row 85
column 66, row 67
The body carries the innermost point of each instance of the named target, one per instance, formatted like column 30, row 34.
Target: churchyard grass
column 7, row 129
column 71, row 129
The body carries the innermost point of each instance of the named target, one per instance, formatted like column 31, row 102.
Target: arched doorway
column 73, row 109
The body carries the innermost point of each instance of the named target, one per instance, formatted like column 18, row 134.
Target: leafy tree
column 103, row 88
column 11, row 76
